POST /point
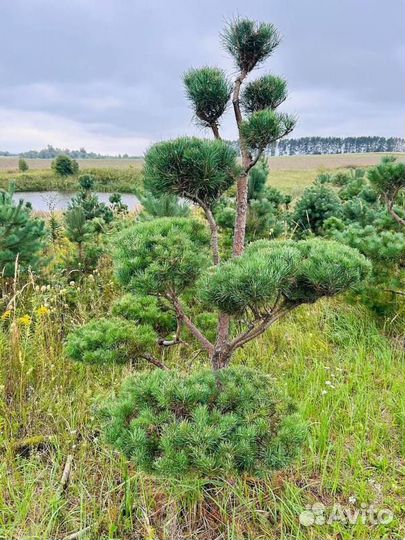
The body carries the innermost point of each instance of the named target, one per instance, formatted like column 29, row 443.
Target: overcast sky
column 106, row 74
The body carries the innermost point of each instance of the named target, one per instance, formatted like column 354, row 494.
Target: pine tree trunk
column 241, row 215
column 221, row 356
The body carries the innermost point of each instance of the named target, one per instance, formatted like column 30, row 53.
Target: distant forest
column 50, row 153
column 334, row 145
column 285, row 147
column 338, row 145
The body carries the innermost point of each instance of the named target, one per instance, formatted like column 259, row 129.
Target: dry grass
column 281, row 163
column 10, row 164
column 333, row 161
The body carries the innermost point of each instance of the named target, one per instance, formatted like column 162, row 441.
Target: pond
column 46, row 201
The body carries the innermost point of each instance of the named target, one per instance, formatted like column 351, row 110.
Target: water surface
column 49, row 201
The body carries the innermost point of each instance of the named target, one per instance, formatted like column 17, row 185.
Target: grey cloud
column 113, row 68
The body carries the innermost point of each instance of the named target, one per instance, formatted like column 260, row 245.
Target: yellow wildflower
column 25, row 320
column 43, row 310
column 6, row 315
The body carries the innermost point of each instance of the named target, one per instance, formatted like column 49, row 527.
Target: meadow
column 289, row 173
column 338, row 360
column 278, row 163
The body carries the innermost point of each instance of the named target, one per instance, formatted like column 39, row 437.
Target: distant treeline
column 338, row 145
column 50, row 153
column 334, row 145
column 285, row 147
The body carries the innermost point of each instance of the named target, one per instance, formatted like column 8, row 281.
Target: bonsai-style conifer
column 169, row 257
column 217, row 421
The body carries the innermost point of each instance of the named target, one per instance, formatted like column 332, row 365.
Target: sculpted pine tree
column 168, row 258
column 214, row 421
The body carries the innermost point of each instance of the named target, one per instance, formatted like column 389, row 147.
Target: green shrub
column 22, row 165
column 207, row 322
column 388, row 246
column 207, row 424
column 388, row 177
column 317, row 204
column 111, row 340
column 22, row 236
column 65, row 166
column 163, row 206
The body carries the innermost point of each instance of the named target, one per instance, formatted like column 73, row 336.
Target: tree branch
column 206, row 344
column 236, row 97
column 213, row 228
column 393, row 291
column 390, row 207
column 176, row 340
column 263, row 325
column 222, row 349
column 255, row 160
column 242, row 188
column 150, row 358
column 241, row 214
column 215, row 131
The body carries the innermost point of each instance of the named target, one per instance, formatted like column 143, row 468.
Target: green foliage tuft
column 197, row 169
column 299, row 272
column 265, row 127
column 86, row 182
column 326, row 268
column 112, row 340
column 267, row 92
column 250, row 281
column 78, row 229
column 207, row 424
column 145, row 310
column 166, row 254
column 164, row 205
column 209, row 90
column 250, row 42
column 89, row 203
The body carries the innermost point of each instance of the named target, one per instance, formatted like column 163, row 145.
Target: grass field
column 290, row 173
column 10, row 164
column 279, row 163
column 332, row 358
